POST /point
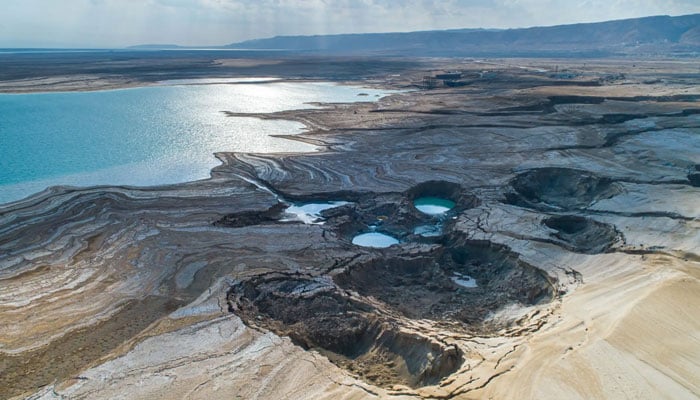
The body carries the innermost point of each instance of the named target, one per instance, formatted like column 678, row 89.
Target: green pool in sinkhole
column 433, row 205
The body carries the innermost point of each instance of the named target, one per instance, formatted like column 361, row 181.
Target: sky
column 120, row 23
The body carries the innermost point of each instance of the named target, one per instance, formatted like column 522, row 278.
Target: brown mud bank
column 560, row 189
column 362, row 313
column 393, row 213
column 567, row 258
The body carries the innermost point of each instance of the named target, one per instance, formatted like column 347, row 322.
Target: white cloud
column 192, row 22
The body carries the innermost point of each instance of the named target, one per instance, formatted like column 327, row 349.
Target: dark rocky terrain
column 575, row 214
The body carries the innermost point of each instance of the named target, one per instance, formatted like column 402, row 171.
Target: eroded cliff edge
column 576, row 213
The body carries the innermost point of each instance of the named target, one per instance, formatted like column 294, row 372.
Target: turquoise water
column 433, row 205
column 145, row 136
column 428, row 230
column 374, row 239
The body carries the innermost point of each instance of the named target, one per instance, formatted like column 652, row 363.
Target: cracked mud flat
column 576, row 212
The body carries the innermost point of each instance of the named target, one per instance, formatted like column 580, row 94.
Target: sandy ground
column 123, row 293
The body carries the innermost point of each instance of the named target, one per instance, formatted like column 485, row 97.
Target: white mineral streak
column 626, row 325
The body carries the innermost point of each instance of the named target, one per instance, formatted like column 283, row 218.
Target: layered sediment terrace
column 573, row 212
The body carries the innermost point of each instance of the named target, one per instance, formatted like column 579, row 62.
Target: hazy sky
column 117, row 23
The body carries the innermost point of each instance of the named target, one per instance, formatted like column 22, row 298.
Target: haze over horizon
column 121, row 23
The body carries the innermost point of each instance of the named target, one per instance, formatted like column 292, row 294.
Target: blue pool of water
column 428, row 230
column 433, row 205
column 374, row 239
column 145, row 136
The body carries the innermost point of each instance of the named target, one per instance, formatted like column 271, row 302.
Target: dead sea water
column 146, row 136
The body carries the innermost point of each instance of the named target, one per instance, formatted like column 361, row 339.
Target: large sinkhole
column 431, row 286
column 360, row 315
column 581, row 234
column 351, row 333
column 399, row 215
column 560, row 188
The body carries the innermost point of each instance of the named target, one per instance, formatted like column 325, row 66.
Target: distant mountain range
column 658, row 35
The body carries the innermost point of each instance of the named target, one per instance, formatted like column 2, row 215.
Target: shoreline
column 101, row 84
column 82, row 179
column 502, row 149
